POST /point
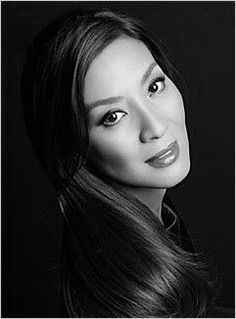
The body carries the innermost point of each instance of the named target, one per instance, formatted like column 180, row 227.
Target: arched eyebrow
column 148, row 72
column 116, row 99
column 109, row 100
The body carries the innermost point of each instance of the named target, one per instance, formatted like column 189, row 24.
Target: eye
column 113, row 118
column 157, row 86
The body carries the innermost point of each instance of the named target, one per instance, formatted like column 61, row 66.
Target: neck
column 151, row 197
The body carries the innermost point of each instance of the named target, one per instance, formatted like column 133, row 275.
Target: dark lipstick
column 165, row 157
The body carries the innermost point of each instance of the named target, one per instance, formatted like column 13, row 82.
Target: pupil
column 112, row 117
column 153, row 88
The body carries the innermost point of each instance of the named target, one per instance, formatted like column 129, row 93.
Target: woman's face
column 136, row 118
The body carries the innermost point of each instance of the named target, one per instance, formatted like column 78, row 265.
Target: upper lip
column 163, row 151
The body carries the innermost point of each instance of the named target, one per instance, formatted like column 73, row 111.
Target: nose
column 152, row 126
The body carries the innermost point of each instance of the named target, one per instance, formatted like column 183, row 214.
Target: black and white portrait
column 118, row 159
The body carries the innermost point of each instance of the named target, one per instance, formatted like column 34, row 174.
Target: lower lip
column 167, row 158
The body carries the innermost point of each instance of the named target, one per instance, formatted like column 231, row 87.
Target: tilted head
column 58, row 83
column 98, row 93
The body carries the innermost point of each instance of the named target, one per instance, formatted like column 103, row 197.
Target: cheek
column 175, row 108
column 111, row 150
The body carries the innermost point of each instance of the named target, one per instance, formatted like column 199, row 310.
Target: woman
column 107, row 123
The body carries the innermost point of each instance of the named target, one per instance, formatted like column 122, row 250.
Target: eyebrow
column 109, row 100
column 116, row 99
column 148, row 72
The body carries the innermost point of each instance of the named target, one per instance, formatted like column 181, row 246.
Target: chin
column 169, row 177
column 175, row 180
column 175, row 177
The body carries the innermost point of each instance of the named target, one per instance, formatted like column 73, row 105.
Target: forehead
column 120, row 64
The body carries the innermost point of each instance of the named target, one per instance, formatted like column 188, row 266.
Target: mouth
column 165, row 157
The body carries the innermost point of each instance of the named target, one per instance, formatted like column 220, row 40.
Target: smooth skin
column 135, row 111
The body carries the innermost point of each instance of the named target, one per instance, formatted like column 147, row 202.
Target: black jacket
column 175, row 226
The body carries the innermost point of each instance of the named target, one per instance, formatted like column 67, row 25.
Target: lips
column 165, row 157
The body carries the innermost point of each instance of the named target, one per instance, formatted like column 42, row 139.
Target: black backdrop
column 198, row 37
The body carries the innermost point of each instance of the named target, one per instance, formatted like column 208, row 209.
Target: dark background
column 198, row 37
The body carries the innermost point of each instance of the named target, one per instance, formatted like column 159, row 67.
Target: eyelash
column 160, row 79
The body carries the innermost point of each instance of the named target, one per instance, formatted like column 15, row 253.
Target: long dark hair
column 117, row 259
